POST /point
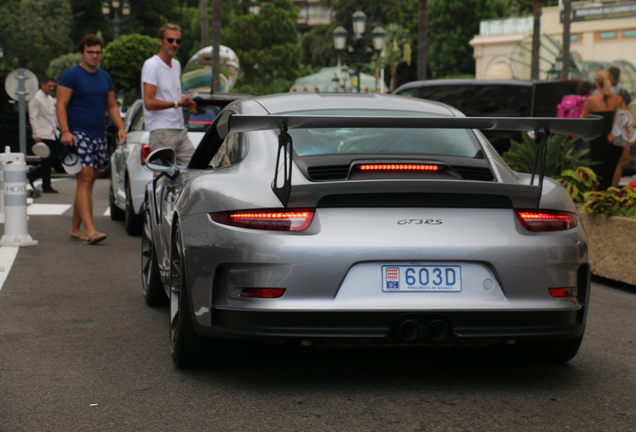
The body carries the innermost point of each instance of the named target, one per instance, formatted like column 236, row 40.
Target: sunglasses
column 172, row 40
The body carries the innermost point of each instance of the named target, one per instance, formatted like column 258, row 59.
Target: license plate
column 422, row 278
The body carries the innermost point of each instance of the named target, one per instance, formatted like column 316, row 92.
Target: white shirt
column 42, row 116
column 168, row 82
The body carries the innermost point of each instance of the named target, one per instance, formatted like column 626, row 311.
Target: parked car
column 494, row 98
column 129, row 175
column 362, row 219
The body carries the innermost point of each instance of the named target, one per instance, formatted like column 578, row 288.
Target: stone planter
column 612, row 246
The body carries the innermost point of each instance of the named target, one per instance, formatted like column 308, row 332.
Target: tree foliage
column 124, row 58
column 450, row 30
column 61, row 64
column 266, row 44
column 33, row 32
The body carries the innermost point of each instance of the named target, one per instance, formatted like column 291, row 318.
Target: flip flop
column 76, row 238
column 94, row 239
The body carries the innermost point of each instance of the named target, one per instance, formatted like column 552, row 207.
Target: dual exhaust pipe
column 436, row 331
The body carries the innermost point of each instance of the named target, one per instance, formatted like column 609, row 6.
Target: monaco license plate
column 422, row 278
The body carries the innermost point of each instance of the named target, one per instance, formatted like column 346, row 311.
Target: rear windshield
column 480, row 100
column 204, row 117
column 324, row 141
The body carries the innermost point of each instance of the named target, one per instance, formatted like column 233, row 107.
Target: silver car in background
column 363, row 219
column 129, row 175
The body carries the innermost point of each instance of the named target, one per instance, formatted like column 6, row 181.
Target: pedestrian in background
column 616, row 89
column 161, row 92
column 45, row 130
column 605, row 104
column 83, row 94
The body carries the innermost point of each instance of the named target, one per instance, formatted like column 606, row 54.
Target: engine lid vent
column 474, row 173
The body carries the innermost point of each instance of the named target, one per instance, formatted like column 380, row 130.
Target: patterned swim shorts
column 92, row 150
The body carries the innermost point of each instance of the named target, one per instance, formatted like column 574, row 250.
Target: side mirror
column 163, row 160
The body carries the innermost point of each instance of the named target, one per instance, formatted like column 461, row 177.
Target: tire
column 152, row 287
column 188, row 349
column 544, row 351
column 116, row 213
column 132, row 222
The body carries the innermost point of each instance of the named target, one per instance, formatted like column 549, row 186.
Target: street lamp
column 358, row 52
column 335, row 82
column 344, row 71
column 116, row 21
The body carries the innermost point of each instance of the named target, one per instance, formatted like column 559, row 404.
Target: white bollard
column 14, row 188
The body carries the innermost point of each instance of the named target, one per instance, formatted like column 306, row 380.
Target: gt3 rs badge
column 420, row 222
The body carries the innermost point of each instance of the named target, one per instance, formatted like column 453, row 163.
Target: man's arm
column 153, row 104
column 63, row 98
column 115, row 116
column 34, row 113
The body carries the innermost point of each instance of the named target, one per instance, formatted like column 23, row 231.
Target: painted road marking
column 47, row 209
column 7, row 257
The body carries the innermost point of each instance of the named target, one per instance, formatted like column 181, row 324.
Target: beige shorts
column 176, row 139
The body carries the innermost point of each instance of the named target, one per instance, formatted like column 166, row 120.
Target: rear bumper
column 463, row 326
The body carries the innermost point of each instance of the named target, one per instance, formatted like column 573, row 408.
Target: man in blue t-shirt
column 83, row 94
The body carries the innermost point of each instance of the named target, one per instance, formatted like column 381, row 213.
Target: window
column 629, row 33
column 600, row 36
column 138, row 121
column 231, row 152
column 326, row 141
column 482, row 100
column 201, row 121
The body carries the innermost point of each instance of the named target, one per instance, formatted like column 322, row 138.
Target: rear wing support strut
column 540, row 156
column 285, row 151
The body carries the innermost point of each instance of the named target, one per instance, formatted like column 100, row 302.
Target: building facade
column 602, row 33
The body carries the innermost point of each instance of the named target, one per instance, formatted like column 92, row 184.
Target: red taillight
column 262, row 292
column 561, row 292
column 547, row 220
column 145, row 151
column 398, row 167
column 289, row 220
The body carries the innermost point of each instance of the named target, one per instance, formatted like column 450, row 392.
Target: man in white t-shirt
column 161, row 92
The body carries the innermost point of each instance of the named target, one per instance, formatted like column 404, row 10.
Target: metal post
column 116, row 23
column 22, row 109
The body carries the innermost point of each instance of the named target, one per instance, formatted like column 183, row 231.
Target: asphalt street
column 80, row 351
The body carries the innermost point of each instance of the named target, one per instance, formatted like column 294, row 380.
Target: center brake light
column 545, row 220
column 274, row 220
column 398, row 167
column 145, row 151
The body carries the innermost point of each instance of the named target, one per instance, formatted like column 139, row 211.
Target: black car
column 494, row 98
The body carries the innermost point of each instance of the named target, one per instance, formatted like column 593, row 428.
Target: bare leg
column 617, row 175
column 83, row 206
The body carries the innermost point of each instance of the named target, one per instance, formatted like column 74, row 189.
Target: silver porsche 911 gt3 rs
column 365, row 218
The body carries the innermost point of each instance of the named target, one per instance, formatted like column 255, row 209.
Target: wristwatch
column 176, row 104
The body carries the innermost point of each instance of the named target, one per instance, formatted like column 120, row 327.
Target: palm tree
column 536, row 41
column 567, row 7
column 216, row 43
column 377, row 64
column 393, row 58
column 422, row 39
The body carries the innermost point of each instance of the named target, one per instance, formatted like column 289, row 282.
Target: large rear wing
column 588, row 128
